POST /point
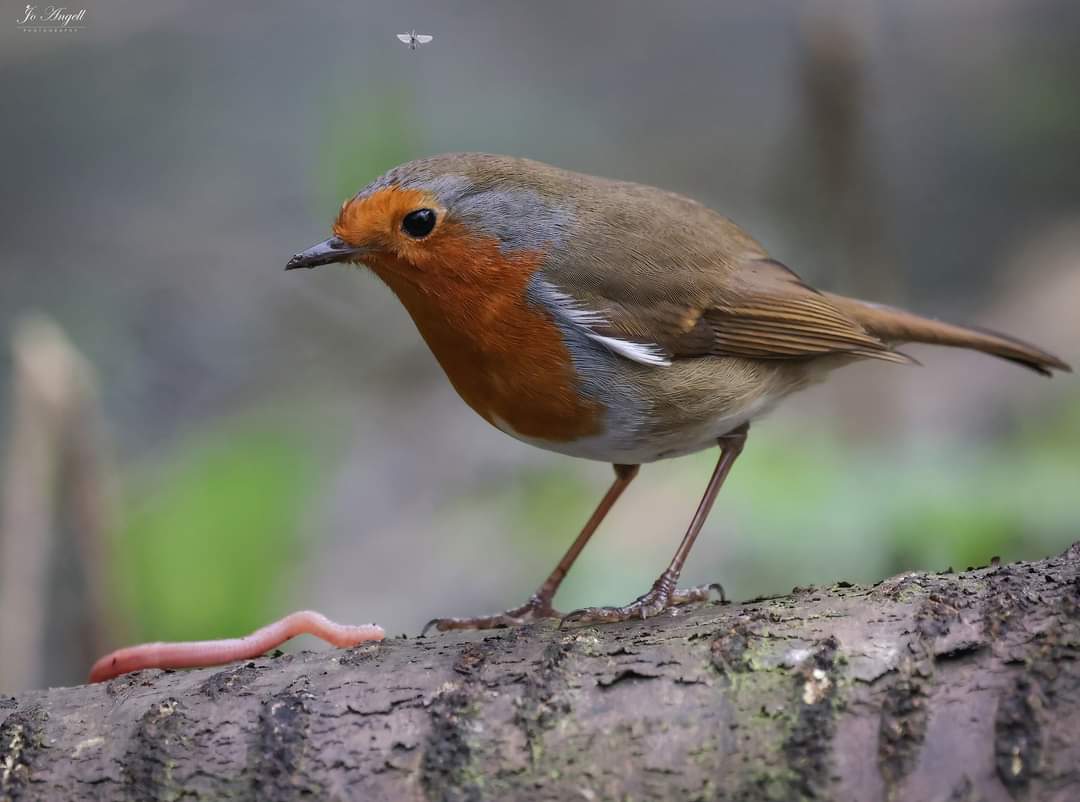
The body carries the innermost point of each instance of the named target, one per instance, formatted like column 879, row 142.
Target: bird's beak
column 326, row 252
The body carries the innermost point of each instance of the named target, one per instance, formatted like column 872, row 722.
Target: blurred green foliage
column 209, row 536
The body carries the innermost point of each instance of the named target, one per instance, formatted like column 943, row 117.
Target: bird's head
column 449, row 218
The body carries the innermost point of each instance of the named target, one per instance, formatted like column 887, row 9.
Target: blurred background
column 195, row 441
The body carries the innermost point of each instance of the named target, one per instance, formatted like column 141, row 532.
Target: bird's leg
column 539, row 604
column 663, row 593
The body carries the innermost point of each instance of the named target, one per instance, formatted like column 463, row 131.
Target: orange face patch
column 505, row 358
column 375, row 221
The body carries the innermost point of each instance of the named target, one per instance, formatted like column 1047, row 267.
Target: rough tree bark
column 923, row 687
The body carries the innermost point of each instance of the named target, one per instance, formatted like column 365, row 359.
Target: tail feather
column 897, row 326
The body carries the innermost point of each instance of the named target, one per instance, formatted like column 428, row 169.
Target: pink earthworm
column 199, row 654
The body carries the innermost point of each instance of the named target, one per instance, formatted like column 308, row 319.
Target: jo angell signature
column 52, row 15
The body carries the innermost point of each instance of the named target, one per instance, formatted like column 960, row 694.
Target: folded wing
column 757, row 309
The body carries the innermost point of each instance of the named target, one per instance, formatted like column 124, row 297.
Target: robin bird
column 610, row 321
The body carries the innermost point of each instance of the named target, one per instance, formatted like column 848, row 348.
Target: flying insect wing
column 404, row 38
column 423, row 38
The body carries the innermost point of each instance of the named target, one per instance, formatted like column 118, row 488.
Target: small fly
column 412, row 39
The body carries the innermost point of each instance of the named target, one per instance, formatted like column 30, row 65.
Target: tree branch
column 925, row 686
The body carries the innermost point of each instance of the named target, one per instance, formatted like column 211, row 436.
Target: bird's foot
column 534, row 609
column 660, row 597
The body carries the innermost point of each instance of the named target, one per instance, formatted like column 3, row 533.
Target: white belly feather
column 618, row 447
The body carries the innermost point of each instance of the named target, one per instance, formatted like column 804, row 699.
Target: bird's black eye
column 418, row 224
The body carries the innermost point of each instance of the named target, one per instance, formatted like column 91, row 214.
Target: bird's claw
column 535, row 608
column 698, row 593
column 656, row 601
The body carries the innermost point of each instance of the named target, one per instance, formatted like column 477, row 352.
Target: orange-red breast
column 609, row 320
